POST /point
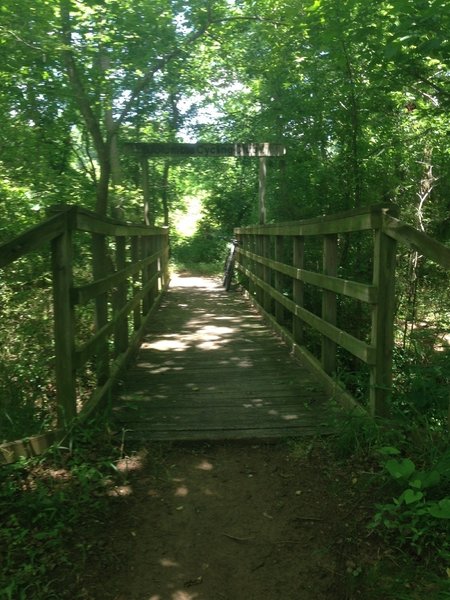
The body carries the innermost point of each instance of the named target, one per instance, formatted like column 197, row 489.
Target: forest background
column 358, row 92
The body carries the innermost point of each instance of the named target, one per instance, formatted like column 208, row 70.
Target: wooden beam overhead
column 210, row 150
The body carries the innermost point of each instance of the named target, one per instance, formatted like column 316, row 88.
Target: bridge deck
column 209, row 368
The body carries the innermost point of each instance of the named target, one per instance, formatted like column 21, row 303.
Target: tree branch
column 151, row 72
column 82, row 98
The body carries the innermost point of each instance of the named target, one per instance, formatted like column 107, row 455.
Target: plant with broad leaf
column 419, row 514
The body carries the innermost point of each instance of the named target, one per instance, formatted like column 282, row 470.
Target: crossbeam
column 207, row 150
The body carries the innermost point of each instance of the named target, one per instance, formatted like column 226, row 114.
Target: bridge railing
column 128, row 272
column 272, row 261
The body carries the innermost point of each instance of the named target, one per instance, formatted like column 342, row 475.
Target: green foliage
column 418, row 518
column 44, row 503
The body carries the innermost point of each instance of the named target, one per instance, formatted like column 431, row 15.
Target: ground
column 234, row 521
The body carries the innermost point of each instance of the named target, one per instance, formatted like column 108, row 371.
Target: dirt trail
column 235, row 521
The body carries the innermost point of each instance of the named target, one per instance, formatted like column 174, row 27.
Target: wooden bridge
column 208, row 367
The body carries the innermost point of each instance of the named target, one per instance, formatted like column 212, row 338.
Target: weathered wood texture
column 285, row 277
column 128, row 282
column 210, row 368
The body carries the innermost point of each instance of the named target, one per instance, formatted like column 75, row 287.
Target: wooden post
column 267, row 301
column 298, row 261
column 120, row 299
column 135, row 255
column 262, row 190
column 383, row 323
column 146, row 274
column 149, row 213
column 64, row 328
column 259, row 269
column 330, row 266
column 100, row 269
column 163, row 247
column 251, row 263
column 279, row 279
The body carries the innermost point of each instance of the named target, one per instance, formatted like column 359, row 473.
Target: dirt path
column 228, row 521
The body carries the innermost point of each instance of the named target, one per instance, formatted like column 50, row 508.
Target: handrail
column 418, row 240
column 135, row 286
column 32, row 239
column 272, row 260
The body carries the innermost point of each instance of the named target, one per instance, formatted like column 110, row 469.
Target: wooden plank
column 221, row 434
column 352, row 289
column 262, row 190
column 418, row 240
column 103, row 392
column 34, row 445
column 329, row 304
column 382, row 335
column 64, row 327
column 278, row 279
column 298, row 259
column 354, row 220
column 177, row 391
column 120, row 301
column 32, row 239
column 356, row 347
column 96, row 344
column 205, row 149
column 84, row 293
column 305, row 357
column 92, row 223
column 223, row 416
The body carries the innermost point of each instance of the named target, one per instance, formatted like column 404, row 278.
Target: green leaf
column 441, row 510
column 400, row 469
column 314, row 6
column 410, row 496
column 416, row 484
column 428, row 478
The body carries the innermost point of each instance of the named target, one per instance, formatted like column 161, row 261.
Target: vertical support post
column 101, row 268
column 164, row 249
column 259, row 269
column 262, row 190
column 267, row 274
column 120, row 299
column 279, row 279
column 149, row 213
column 145, row 251
column 382, row 337
column 64, row 329
column 149, row 245
column 298, row 261
column 330, row 267
column 135, row 255
column 244, row 242
column 251, row 263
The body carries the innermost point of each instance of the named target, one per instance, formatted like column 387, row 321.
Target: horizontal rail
column 272, row 259
column 131, row 292
column 346, row 222
column 83, row 354
column 427, row 245
column 356, row 347
column 83, row 294
column 352, row 289
column 34, row 238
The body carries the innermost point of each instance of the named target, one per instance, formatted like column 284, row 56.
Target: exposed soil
column 234, row 521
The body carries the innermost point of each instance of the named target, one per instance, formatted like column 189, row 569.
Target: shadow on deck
column 210, row 369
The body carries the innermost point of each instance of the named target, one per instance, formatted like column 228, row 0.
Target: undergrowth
column 50, row 508
column 402, row 476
